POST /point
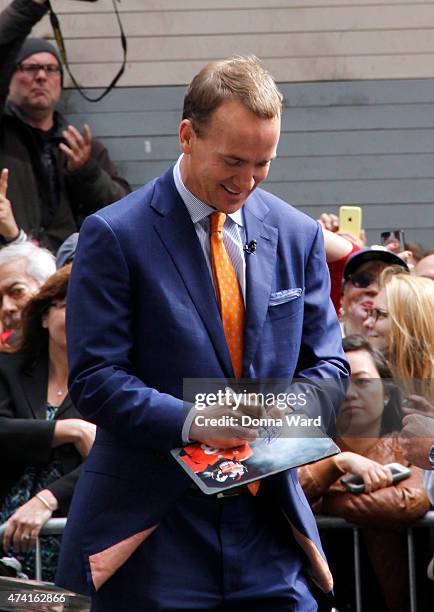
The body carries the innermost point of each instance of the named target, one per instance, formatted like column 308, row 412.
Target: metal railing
column 330, row 522
column 52, row 527
column 57, row 525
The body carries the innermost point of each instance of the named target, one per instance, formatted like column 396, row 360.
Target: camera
column 393, row 237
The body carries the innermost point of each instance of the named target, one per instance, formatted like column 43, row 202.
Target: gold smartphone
column 350, row 220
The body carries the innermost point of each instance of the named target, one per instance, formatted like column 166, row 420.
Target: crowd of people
column 53, row 176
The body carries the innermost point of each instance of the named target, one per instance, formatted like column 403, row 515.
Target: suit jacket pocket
column 106, row 562
column 285, row 295
column 285, row 303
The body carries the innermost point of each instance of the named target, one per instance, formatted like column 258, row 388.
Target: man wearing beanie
column 57, row 174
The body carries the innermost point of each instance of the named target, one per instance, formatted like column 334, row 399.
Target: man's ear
column 186, row 135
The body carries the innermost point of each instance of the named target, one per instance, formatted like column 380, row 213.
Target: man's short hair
column 240, row 78
column 40, row 263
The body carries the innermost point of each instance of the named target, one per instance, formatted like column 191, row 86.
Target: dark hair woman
column 43, row 440
column 367, row 425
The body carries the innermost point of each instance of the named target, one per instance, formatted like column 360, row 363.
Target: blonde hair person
column 411, row 311
column 401, row 325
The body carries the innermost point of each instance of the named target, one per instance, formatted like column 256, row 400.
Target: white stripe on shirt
column 234, row 234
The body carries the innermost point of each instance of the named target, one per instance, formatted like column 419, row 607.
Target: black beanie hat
column 37, row 45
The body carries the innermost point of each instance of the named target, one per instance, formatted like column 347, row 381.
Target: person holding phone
column 366, row 433
column 338, row 249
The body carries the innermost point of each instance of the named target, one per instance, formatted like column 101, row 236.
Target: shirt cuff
column 187, row 424
column 22, row 237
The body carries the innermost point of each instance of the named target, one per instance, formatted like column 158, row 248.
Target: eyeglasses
column 361, row 280
column 377, row 313
column 33, row 69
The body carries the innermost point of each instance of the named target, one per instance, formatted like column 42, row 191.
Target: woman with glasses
column 43, row 440
column 365, row 435
column 400, row 324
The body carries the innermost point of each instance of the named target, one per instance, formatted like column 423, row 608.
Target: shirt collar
column 197, row 209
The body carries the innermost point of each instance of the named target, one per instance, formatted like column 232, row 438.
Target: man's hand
column 78, row 148
column 417, row 404
column 375, row 476
column 230, row 431
column 416, row 438
column 26, row 522
column 8, row 226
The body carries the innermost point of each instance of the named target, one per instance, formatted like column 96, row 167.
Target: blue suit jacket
column 141, row 317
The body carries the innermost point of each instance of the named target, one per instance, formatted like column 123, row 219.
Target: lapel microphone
column 250, row 247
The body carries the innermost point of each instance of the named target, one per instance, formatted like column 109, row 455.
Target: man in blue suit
column 144, row 313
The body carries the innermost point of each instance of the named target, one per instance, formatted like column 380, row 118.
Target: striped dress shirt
column 234, row 234
column 234, row 238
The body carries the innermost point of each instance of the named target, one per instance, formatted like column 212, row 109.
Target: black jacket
column 25, row 437
column 80, row 193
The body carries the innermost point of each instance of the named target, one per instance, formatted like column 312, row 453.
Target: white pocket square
column 285, row 295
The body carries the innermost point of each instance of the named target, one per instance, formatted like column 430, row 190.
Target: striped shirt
column 234, row 234
column 234, row 237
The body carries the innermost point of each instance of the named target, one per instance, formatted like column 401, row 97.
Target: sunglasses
column 361, row 280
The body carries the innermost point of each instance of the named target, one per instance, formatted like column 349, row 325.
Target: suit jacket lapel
column 175, row 229
column 65, row 407
column 259, row 274
column 34, row 381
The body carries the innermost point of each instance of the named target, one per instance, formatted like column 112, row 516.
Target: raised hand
column 8, row 226
column 78, row 147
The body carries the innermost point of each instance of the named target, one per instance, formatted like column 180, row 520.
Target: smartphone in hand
column 350, row 220
column 355, row 484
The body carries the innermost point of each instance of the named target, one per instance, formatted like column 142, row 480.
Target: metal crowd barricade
column 330, row 522
column 20, row 595
column 52, row 527
column 56, row 527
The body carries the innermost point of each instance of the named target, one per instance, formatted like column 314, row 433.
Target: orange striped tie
column 229, row 296
column 230, row 300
